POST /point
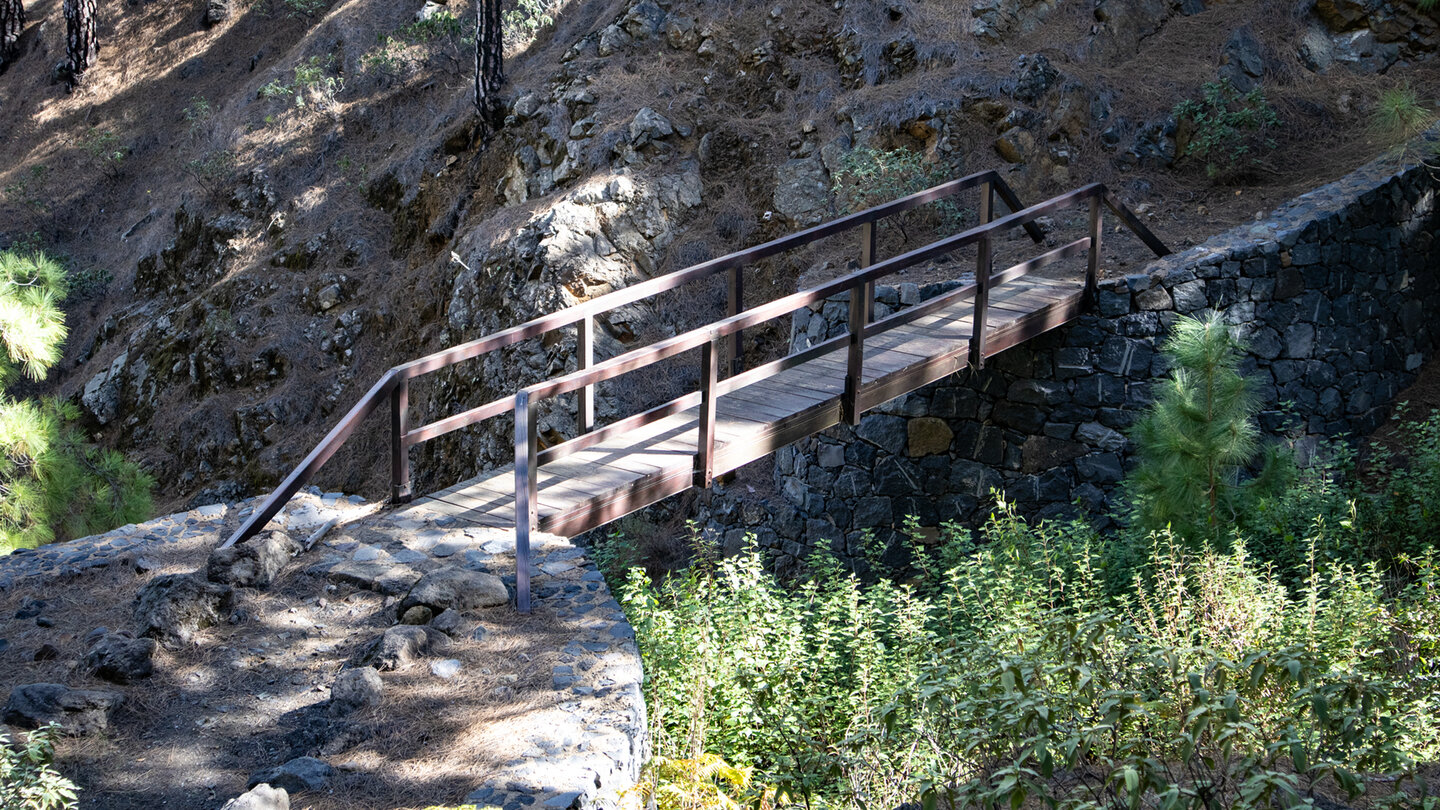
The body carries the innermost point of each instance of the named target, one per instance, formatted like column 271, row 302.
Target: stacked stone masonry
column 1334, row 295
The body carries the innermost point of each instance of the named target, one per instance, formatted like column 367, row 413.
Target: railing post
column 584, row 357
column 1092, row 269
column 705, row 441
column 735, row 286
column 987, row 202
column 867, row 258
column 399, row 448
column 527, row 494
column 982, row 301
column 855, row 361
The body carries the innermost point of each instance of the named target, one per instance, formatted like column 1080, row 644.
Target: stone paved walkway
column 578, row 750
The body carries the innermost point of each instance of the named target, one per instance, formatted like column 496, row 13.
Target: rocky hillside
column 269, row 202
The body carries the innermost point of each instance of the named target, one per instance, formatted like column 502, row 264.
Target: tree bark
column 12, row 20
column 489, row 63
column 81, row 44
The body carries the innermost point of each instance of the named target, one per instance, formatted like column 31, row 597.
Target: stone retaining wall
column 1334, row 293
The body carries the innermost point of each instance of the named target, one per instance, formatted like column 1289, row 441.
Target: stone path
column 578, row 749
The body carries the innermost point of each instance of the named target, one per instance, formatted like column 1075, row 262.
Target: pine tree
column 53, row 486
column 82, row 46
column 12, row 21
column 489, row 62
column 1198, row 436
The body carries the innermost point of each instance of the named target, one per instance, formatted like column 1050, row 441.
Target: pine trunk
column 12, row 20
column 489, row 62
column 81, row 44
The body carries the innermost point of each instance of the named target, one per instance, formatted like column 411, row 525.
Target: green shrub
column 1229, row 131
column 1014, row 677
column 867, row 177
column 521, row 24
column 312, row 85
column 105, row 150
column 27, row 779
column 1400, row 114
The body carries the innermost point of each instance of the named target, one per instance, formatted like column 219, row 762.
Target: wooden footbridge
column 737, row 415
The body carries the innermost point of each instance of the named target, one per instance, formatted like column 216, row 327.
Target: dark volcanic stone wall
column 1337, row 295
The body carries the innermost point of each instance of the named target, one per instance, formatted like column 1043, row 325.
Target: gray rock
column 381, row 577
column 356, row 689
column 453, row 587
column 802, row 191
column 1242, row 61
column 649, row 125
column 300, row 774
column 418, row 614
column 449, row 622
column 216, row 12
column 402, row 644
column 252, row 564
column 448, row 668
column 78, row 711
column 261, row 797
column 101, row 396
column 119, row 658
column 172, row 608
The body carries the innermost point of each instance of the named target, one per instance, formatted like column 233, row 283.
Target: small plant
column 522, row 23
column 28, row 189
column 304, row 8
column 1198, row 436
column 28, row 780
column 312, row 85
column 440, row 25
column 868, row 177
column 387, row 60
column 105, row 150
column 1400, row 114
column 214, row 171
column 1229, row 131
column 197, row 114
column 703, row 782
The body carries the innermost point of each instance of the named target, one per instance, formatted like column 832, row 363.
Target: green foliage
column 198, row 114
column 304, row 8
column 868, row 177
column 214, row 171
column 312, row 85
column 28, row 189
column 52, row 484
column 1014, row 677
column 521, row 24
column 703, row 782
column 440, row 25
column 27, row 779
column 1400, row 114
column 104, row 150
column 1229, row 131
column 408, row 46
column 1198, row 436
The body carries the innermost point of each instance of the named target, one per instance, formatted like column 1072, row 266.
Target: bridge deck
column 596, row 485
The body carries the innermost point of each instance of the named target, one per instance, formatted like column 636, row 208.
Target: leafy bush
column 312, row 85
column 1229, row 131
column 521, row 24
column 27, row 780
column 1014, row 677
column 105, row 150
column 214, row 171
column 868, row 177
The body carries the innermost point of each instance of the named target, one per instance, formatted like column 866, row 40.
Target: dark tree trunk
column 489, row 63
column 12, row 19
column 81, row 44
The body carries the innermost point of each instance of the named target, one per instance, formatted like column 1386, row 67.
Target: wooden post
column 867, row 258
column 705, row 449
column 1092, row 269
column 855, row 362
column 399, row 448
column 987, row 203
column 982, row 301
column 735, row 292
column 527, row 494
column 584, row 357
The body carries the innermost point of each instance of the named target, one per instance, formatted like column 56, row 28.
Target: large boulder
column 261, row 797
column 402, row 644
column 802, row 191
column 457, row 588
column 356, row 689
column 253, row 564
column 174, row 607
column 121, row 658
column 78, row 711
column 300, row 774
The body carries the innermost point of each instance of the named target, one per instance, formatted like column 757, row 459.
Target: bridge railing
column 394, row 385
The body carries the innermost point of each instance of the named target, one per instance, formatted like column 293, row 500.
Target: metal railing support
column 527, row 492
column 399, row 446
column 735, row 299
column 705, row 439
column 584, row 356
column 983, row 270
